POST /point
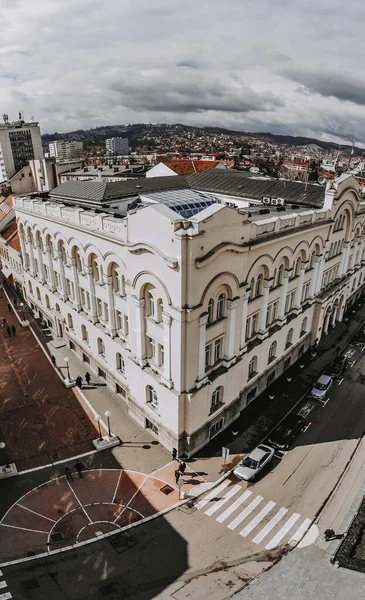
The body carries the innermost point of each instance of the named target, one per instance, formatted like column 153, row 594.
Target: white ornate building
column 189, row 307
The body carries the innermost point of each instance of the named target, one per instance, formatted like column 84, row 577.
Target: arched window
column 150, row 305
column 220, row 306
column 272, row 351
column 297, row 267
column 30, row 287
column 331, row 251
column 70, row 321
column 289, row 338
column 313, row 256
column 217, row 398
column 258, row 286
column 252, row 288
column 47, row 301
column 159, row 310
column 252, row 366
column 210, row 311
column 84, row 333
column 304, row 326
column 101, row 347
column 57, row 307
column 38, row 294
column 120, row 362
column 280, row 274
column 152, row 399
column 275, row 278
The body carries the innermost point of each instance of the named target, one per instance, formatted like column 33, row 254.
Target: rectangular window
column 270, row 378
column 216, row 427
column 292, row 298
column 82, row 296
column 105, row 312
column 88, row 300
column 120, row 390
column 268, row 316
column 305, row 291
column 85, row 358
column 255, row 321
column 101, row 373
column 274, row 311
column 118, row 319
column 218, row 345
column 126, row 326
column 248, row 328
column 251, row 395
column 72, row 346
column 98, row 307
column 152, row 349
column 161, row 355
column 207, row 356
column 287, row 362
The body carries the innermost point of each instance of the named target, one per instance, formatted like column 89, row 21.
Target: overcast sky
column 285, row 66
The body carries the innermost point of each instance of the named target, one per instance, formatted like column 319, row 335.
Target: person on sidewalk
column 79, row 468
column 182, row 467
column 13, row 329
column 79, row 381
column 174, row 454
column 4, row 322
column 177, row 476
column 68, row 474
column 53, row 360
column 87, row 377
column 8, row 330
column 9, row 307
column 15, row 301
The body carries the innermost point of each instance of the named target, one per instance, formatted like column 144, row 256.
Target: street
column 218, row 545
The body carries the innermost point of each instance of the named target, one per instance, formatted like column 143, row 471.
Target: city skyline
column 202, row 65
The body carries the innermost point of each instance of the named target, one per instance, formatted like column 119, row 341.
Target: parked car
column 254, row 462
column 321, row 388
column 337, row 368
column 359, row 340
column 287, row 431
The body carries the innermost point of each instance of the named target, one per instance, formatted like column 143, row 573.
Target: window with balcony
column 252, row 367
column 218, row 349
column 120, row 363
column 289, row 338
column 272, row 352
column 221, row 306
column 101, row 347
column 152, row 399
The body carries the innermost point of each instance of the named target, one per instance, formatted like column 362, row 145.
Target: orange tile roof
column 188, row 166
column 9, row 230
column 5, row 206
column 15, row 243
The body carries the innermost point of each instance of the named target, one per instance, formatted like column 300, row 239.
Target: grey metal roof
column 233, row 183
column 184, row 202
column 92, row 191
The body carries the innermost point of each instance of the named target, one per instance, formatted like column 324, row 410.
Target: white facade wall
column 310, row 265
column 63, row 150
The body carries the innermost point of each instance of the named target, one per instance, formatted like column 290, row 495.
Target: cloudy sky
column 285, row 66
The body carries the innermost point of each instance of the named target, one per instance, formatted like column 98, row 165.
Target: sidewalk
column 140, row 451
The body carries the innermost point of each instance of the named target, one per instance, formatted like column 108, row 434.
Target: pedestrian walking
column 8, row 330
column 177, row 476
column 4, row 322
column 79, row 381
column 182, row 467
column 53, row 360
column 79, row 468
column 13, row 329
column 174, row 454
column 9, row 307
column 68, row 474
column 87, row 377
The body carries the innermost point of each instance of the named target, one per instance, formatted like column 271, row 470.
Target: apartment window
column 305, row 292
column 120, row 390
column 216, row 427
column 254, row 323
column 101, row 347
column 251, row 395
column 152, row 349
column 151, row 305
column 274, row 311
column 118, row 320
column 207, row 356
column 258, row 286
column 280, row 274
column 270, row 378
column 218, row 347
column 289, row 338
column 272, row 352
column 268, row 316
column 217, row 398
column 126, row 326
column 99, row 307
column 252, row 367
column 161, row 355
column 287, row 362
column 72, row 345
column 85, row 358
column 120, row 363
column 85, row 335
column 70, row 322
column 220, row 306
column 152, row 399
column 101, row 373
column 210, row 311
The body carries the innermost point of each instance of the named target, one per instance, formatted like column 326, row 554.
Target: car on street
column 337, row 368
column 359, row 340
column 287, row 431
column 254, row 462
column 321, row 388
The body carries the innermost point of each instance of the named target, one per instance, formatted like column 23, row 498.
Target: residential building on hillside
column 117, row 145
column 190, row 295
column 19, row 143
column 62, row 150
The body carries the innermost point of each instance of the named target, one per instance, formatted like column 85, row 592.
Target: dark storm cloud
column 343, row 86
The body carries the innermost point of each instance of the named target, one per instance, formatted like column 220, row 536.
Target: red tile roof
column 15, row 243
column 187, row 166
column 5, row 206
column 9, row 230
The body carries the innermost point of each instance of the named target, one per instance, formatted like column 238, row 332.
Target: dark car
column 287, row 431
column 359, row 340
column 336, row 369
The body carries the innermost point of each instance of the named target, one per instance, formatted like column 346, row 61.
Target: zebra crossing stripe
column 219, row 503
column 5, row 596
column 3, row 584
column 283, row 531
column 262, row 514
column 270, row 525
column 245, row 512
column 234, row 506
column 300, row 532
column 212, row 494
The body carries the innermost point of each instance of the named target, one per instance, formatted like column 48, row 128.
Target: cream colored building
column 187, row 306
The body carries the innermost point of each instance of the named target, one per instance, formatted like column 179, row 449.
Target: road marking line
column 1, row 573
column 116, row 487
column 80, row 505
column 3, row 584
column 245, row 512
column 262, row 514
column 24, row 528
column 283, row 531
column 36, row 513
column 234, row 506
column 300, row 532
column 219, row 503
column 270, row 525
column 212, row 494
column 5, row 596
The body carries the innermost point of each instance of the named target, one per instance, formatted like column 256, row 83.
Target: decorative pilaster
column 264, row 306
column 202, row 378
column 94, row 312
column 24, row 252
column 299, row 292
column 52, row 282
column 31, row 254
column 320, row 275
column 246, row 297
column 63, row 276
column 77, row 300
column 42, row 274
column 111, row 309
column 353, row 258
column 313, row 283
column 140, row 341
column 284, row 293
column 229, row 350
column 166, row 377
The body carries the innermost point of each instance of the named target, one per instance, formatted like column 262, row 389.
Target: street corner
column 76, row 508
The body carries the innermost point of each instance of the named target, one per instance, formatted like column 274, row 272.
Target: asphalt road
column 214, row 549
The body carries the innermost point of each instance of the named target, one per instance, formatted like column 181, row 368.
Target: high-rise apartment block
column 19, row 143
column 117, row 145
column 63, row 150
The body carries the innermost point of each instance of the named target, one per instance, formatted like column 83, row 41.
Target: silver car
column 252, row 464
column 321, row 388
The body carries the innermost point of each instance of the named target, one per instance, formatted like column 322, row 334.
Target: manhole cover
column 56, row 537
column 39, row 426
column 166, row 489
column 31, row 584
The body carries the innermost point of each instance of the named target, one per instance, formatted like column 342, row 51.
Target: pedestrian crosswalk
column 4, row 595
column 261, row 518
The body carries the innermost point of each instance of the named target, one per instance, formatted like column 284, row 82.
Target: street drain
column 166, row 489
column 57, row 537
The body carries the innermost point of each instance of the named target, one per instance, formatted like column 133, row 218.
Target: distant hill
column 144, row 130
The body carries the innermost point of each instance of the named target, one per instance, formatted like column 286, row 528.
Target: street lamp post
column 108, row 414
column 98, row 419
column 6, row 456
column 67, row 367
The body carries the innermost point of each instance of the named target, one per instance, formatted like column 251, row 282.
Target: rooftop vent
column 264, row 211
column 280, row 208
column 295, row 206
